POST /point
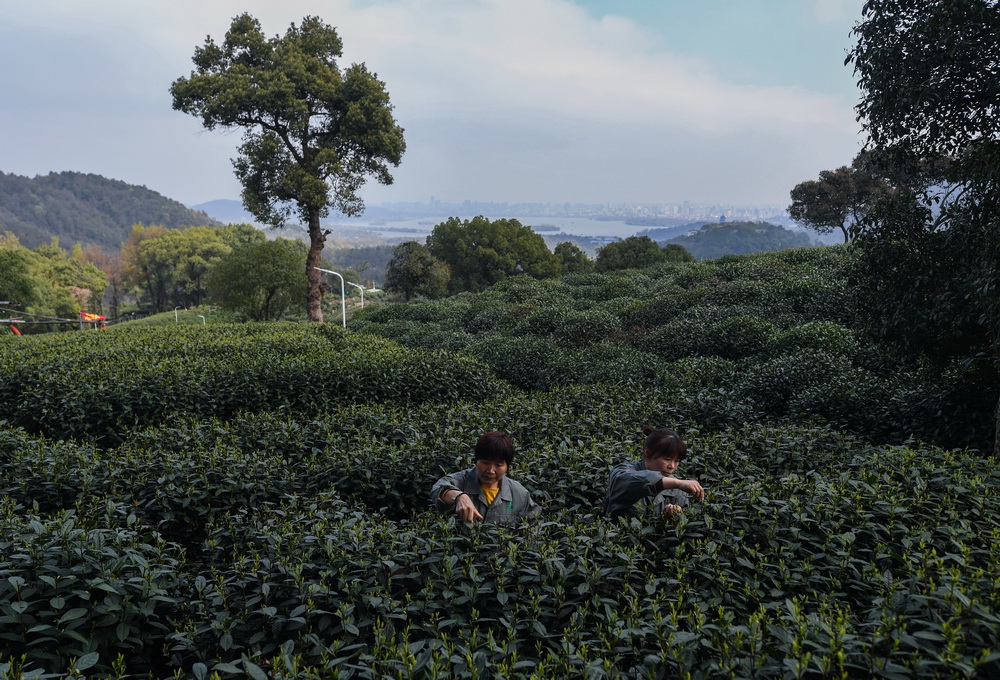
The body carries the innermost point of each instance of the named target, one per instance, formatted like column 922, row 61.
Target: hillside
column 740, row 238
column 85, row 208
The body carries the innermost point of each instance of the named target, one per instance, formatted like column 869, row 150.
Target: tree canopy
column 85, row 208
column 929, row 72
column 260, row 280
column 572, row 258
column 839, row 199
column 313, row 133
column 636, row 252
column 47, row 281
column 480, row 252
column 414, row 271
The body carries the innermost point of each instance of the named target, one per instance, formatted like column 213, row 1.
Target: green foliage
column 739, row 337
column 414, row 271
column 47, row 281
column 840, row 199
column 572, row 258
column 813, row 549
column 84, row 588
column 520, row 361
column 480, row 253
column 932, row 122
column 83, row 208
column 633, row 252
column 825, row 336
column 582, row 328
column 98, row 384
column 313, row 133
column 260, row 280
column 772, row 385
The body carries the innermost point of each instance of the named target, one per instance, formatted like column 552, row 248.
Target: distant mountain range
column 84, row 208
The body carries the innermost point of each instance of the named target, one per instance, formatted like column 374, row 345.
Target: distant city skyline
column 231, row 210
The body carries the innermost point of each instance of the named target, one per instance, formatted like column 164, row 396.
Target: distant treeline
column 85, row 208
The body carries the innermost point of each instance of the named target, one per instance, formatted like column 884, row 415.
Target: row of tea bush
column 781, row 327
column 269, row 545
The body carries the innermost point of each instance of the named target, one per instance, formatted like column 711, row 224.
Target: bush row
column 814, row 553
column 99, row 384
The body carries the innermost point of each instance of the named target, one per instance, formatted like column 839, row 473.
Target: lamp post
column 343, row 298
column 362, row 289
column 175, row 314
column 202, row 319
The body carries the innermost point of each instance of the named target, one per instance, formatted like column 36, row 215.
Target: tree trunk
column 315, row 287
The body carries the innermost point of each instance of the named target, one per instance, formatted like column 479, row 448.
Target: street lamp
column 175, row 314
column 362, row 289
column 343, row 298
column 202, row 319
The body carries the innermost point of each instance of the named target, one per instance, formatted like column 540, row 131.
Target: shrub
column 772, row 385
column 520, row 361
column 739, row 337
column 825, row 336
column 582, row 328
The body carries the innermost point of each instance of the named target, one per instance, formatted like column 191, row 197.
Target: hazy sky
column 595, row 101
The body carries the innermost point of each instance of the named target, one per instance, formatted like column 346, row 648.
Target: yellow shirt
column 490, row 494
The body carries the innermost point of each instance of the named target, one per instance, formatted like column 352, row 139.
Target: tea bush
column 97, row 384
column 812, row 548
column 242, row 501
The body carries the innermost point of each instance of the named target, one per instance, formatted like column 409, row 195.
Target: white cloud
column 500, row 98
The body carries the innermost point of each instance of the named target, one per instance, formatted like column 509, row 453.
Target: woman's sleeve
column 446, row 483
column 628, row 486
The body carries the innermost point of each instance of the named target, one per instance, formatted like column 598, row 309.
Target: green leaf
column 87, row 661
column 72, row 615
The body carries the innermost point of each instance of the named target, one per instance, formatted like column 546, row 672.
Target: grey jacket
column 511, row 504
column 633, row 489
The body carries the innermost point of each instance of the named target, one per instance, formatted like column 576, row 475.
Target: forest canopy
column 88, row 209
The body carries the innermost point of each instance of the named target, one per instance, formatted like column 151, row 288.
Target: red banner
column 87, row 316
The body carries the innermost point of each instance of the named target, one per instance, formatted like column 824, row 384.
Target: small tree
column 573, row 259
column 313, row 133
column 414, row 271
column 839, row 199
column 634, row 252
column 260, row 280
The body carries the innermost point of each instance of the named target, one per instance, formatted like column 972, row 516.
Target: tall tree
column 839, row 199
column 313, row 133
column 929, row 72
column 480, row 252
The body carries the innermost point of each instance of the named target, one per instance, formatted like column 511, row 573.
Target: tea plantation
column 251, row 500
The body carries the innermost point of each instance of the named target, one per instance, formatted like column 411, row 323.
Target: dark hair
column 662, row 442
column 495, row 445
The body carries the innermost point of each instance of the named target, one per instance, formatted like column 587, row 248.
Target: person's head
column 494, row 454
column 662, row 450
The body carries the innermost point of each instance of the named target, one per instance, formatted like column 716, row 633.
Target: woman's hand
column 689, row 486
column 465, row 508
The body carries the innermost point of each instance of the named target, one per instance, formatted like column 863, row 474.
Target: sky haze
column 590, row 101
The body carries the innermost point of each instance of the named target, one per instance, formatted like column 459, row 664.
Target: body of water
column 417, row 229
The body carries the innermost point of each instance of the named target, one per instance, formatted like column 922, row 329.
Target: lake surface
column 417, row 229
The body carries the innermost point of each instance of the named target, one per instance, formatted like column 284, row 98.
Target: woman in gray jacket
column 649, row 484
column 485, row 492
